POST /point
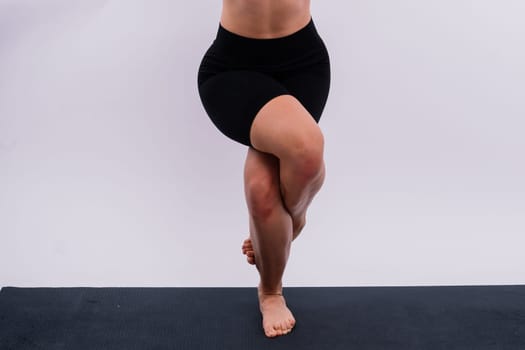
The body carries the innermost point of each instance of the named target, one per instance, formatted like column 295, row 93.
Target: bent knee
column 306, row 156
column 284, row 126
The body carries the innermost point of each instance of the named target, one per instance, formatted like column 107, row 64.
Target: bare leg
column 283, row 172
column 271, row 236
column 285, row 129
column 300, row 219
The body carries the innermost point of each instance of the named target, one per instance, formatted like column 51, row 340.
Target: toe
column 270, row 332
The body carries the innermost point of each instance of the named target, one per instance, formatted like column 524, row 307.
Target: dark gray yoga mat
column 356, row 318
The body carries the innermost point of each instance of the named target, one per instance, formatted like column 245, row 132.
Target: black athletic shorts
column 238, row 75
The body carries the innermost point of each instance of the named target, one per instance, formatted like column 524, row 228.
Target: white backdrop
column 111, row 173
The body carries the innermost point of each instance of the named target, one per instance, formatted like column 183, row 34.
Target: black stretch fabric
column 239, row 75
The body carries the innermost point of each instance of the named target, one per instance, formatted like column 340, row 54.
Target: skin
column 265, row 19
column 282, row 173
column 285, row 168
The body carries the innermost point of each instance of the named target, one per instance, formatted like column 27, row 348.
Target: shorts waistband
column 310, row 27
column 270, row 50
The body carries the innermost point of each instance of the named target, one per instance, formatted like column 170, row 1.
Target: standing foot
column 277, row 318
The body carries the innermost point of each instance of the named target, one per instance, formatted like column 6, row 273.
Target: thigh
column 286, row 129
column 233, row 98
column 288, row 124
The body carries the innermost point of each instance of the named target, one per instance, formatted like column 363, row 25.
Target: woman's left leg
column 271, row 234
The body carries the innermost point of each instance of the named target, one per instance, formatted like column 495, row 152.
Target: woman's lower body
column 269, row 94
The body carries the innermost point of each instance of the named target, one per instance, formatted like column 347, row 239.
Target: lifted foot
column 247, row 249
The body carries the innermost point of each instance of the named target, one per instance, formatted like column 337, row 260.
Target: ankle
column 265, row 290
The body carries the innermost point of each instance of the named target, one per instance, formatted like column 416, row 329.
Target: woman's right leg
column 285, row 129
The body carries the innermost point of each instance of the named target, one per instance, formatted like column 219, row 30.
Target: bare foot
column 247, row 249
column 277, row 318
